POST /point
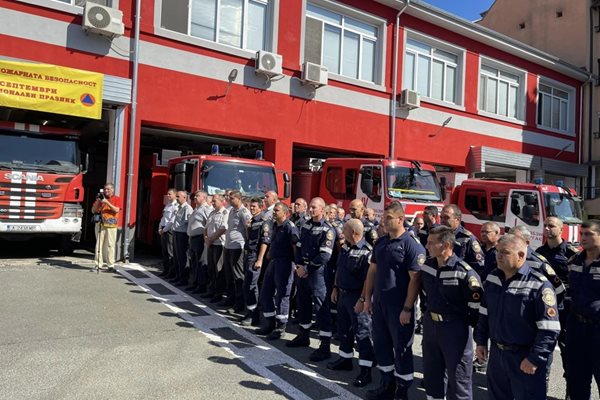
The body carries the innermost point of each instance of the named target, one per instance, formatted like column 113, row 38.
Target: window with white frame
column 244, row 24
column 346, row 46
column 501, row 91
column 432, row 71
column 554, row 107
column 68, row 5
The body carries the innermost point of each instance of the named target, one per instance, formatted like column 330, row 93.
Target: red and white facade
column 185, row 83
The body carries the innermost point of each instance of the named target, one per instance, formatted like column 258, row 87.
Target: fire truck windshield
column 38, row 153
column 563, row 206
column 251, row 180
column 409, row 183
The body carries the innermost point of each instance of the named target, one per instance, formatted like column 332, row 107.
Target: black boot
column 277, row 332
column 401, row 392
column 386, row 389
column 323, row 352
column 255, row 320
column 267, row 327
column 364, row 378
column 302, row 340
column 245, row 319
column 341, row 364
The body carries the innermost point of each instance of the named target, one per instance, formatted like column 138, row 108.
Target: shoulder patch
column 421, row 259
column 549, row 270
column 476, row 247
column 473, row 283
column 373, row 234
column 330, row 235
column 548, row 297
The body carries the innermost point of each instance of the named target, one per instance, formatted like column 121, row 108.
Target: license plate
column 21, row 228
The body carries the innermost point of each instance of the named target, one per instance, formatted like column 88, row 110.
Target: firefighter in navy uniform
column 558, row 252
column 352, row 267
column 330, row 268
column 467, row 246
column 254, row 253
column 281, row 234
column 583, row 324
column 357, row 210
column 454, row 292
column 539, row 263
column 312, row 253
column 430, row 215
column 394, row 282
column 519, row 314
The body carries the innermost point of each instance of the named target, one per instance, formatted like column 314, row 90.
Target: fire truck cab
column 216, row 173
column 41, row 184
column 510, row 204
column 377, row 182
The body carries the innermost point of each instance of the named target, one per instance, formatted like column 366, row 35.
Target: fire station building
column 298, row 79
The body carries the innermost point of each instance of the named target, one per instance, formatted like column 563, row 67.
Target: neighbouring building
column 569, row 30
column 490, row 106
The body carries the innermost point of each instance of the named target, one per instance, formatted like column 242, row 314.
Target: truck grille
column 33, row 201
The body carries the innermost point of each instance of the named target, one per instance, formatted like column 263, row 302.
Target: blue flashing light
column 214, row 150
column 560, row 183
column 538, row 181
column 259, row 155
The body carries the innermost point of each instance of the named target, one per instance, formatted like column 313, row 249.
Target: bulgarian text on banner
column 51, row 88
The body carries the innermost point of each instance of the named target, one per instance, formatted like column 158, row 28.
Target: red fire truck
column 377, row 182
column 216, row 173
column 41, row 184
column 510, row 204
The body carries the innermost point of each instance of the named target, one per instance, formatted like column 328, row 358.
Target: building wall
column 537, row 23
column 182, row 86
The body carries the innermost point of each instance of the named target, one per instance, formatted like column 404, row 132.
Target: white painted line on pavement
column 259, row 355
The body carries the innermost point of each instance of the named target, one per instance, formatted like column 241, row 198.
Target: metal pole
column 132, row 127
column 395, row 82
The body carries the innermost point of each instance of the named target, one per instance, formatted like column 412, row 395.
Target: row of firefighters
column 370, row 282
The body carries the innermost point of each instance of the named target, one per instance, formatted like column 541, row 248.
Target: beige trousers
column 106, row 239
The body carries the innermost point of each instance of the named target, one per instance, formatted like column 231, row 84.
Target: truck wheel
column 66, row 246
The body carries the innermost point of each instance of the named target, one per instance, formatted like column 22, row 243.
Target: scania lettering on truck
column 510, row 204
column 377, row 182
column 41, row 185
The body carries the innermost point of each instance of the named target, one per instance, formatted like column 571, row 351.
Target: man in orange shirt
column 108, row 206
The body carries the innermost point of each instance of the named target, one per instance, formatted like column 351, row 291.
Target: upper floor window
column 243, row 24
column 347, row 46
column 432, row 69
column 501, row 90
column 554, row 108
column 72, row 6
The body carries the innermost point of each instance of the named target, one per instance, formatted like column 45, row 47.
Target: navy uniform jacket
column 467, row 247
column 299, row 219
column 423, row 234
column 558, row 258
column 584, row 282
column 453, row 290
column 370, row 231
column 520, row 311
column 315, row 246
column 282, row 238
column 540, row 263
column 489, row 262
column 254, row 235
column 352, row 266
column 394, row 259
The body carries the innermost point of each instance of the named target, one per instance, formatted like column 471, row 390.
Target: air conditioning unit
column 314, row 74
column 409, row 99
column 268, row 64
column 103, row 20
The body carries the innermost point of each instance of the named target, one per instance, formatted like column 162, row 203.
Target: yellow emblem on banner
column 50, row 88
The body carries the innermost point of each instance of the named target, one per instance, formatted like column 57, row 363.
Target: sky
column 468, row 9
